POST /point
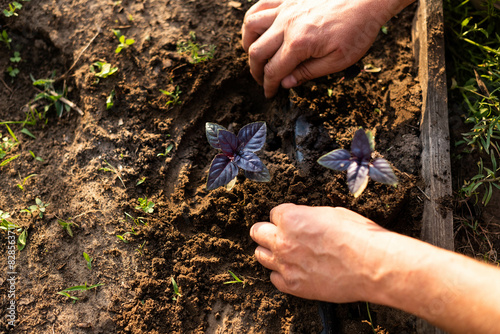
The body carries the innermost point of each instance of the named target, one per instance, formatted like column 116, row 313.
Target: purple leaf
column 222, row 171
column 262, row 176
column 360, row 146
column 249, row 161
column 228, row 142
column 357, row 177
column 252, row 136
column 381, row 171
column 211, row 130
column 337, row 160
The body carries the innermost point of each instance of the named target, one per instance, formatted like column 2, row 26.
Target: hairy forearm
column 449, row 290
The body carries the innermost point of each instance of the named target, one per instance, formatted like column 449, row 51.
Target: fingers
column 277, row 212
column 255, row 25
column 263, row 5
column 262, row 50
column 266, row 258
column 264, row 234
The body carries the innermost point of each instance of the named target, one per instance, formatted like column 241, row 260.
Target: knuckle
column 304, row 73
column 254, row 51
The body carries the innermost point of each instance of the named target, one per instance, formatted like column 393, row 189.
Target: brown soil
column 193, row 235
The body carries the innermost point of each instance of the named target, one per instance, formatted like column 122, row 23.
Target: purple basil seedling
column 237, row 151
column 359, row 164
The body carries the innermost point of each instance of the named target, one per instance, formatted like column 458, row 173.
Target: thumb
column 315, row 68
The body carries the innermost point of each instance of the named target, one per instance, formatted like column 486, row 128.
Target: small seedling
column 4, row 37
column 122, row 237
column 196, row 53
column 140, row 181
column 137, row 220
column 110, row 100
column 124, row 42
column 236, row 279
column 13, row 6
column 23, row 181
column 88, row 259
column 237, row 151
column 16, row 58
column 102, row 69
column 56, row 98
column 6, row 143
column 35, row 157
column 167, row 150
column 5, row 224
column 13, row 72
column 67, row 226
column 174, row 96
column 21, row 240
column 145, row 205
column 112, row 169
column 177, row 294
column 140, row 248
column 84, row 287
column 38, row 207
column 359, row 164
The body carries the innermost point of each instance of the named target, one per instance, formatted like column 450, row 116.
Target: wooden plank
column 437, row 221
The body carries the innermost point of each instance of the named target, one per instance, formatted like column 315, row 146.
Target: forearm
column 449, row 290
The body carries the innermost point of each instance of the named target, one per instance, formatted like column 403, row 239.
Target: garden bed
column 193, row 235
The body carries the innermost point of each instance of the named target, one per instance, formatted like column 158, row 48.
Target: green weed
column 174, row 96
column 102, row 70
column 110, row 100
column 88, row 259
column 177, row 293
column 145, row 205
column 21, row 240
column 39, row 207
column 167, row 150
column 236, row 279
column 35, row 157
column 22, row 182
column 4, row 37
column 67, row 226
column 124, row 42
column 54, row 98
column 112, row 169
column 13, row 7
column 197, row 53
column 13, row 72
column 84, row 287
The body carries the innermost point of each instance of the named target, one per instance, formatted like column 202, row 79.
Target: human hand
column 293, row 41
column 322, row 253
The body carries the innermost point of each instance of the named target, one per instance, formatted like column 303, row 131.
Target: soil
column 193, row 235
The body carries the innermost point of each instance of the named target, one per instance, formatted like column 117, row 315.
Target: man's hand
column 320, row 252
column 293, row 41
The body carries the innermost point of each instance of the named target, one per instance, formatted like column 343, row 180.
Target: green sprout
column 236, row 279
column 16, row 58
column 54, row 98
column 112, row 169
column 38, row 207
column 167, row 150
column 197, row 53
column 122, row 237
column 13, row 6
column 102, row 70
column 5, row 224
column 177, row 294
column 174, row 96
column 21, row 240
column 4, row 37
column 23, row 181
column 35, row 157
column 145, row 205
column 140, row 248
column 110, row 100
column 137, row 220
column 124, row 42
column 67, row 226
column 88, row 259
column 140, row 181
column 13, row 72
column 84, row 287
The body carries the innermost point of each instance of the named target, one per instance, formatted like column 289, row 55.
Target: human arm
column 336, row 255
column 293, row 41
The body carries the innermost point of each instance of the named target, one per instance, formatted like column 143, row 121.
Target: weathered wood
column 437, row 221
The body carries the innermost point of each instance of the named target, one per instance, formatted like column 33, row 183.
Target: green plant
column 124, row 42
column 22, row 182
column 122, row 237
column 140, row 181
column 112, row 169
column 67, row 226
column 177, row 293
column 110, row 100
column 236, row 279
column 4, row 223
column 21, row 240
column 6, row 143
column 13, row 72
column 102, row 70
column 137, row 220
column 474, row 48
column 35, row 157
column 54, row 98
column 197, row 53
column 4, row 37
column 167, row 150
column 174, row 96
column 38, row 207
column 11, row 11
column 88, row 259
column 140, row 248
column 84, row 287
column 145, row 205
column 16, row 58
